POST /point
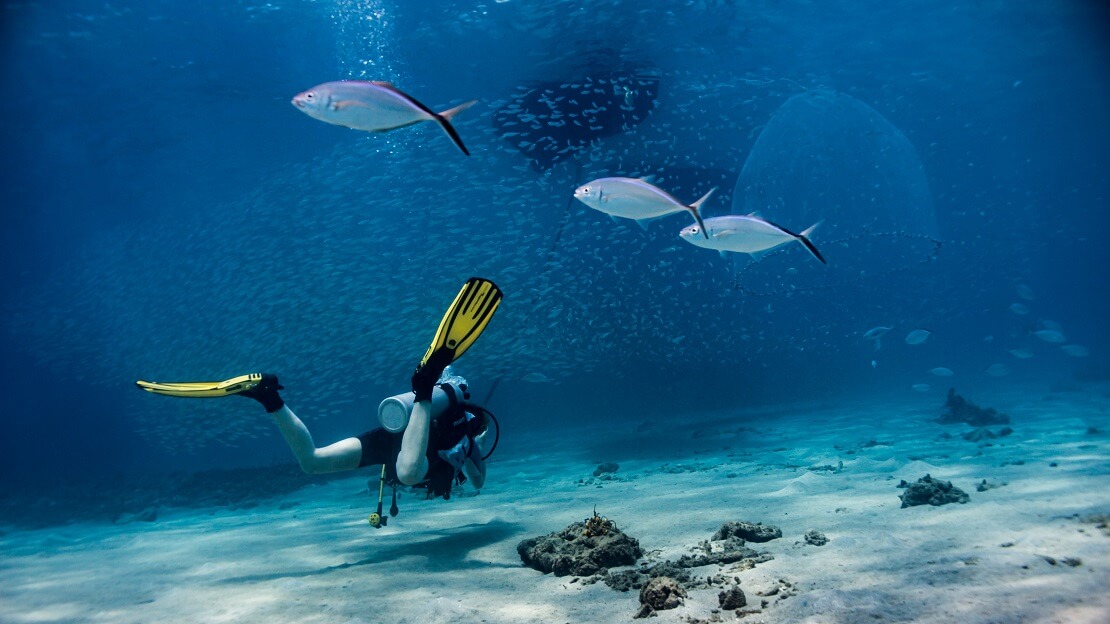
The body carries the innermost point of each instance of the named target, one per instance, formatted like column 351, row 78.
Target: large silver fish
column 635, row 198
column 748, row 234
column 374, row 107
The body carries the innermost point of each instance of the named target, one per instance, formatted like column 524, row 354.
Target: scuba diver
column 429, row 437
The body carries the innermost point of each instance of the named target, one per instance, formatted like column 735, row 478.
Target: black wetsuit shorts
column 380, row 447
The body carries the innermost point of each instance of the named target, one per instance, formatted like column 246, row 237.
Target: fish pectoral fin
column 643, row 223
column 342, row 104
column 614, row 218
column 724, row 254
column 607, row 196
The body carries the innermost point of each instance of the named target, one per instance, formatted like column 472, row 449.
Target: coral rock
column 960, row 410
column 606, row 468
column 930, row 491
column 662, row 593
column 752, row 532
column 733, row 598
column 571, row 551
column 816, row 538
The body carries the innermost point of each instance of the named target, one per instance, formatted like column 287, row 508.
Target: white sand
column 456, row 561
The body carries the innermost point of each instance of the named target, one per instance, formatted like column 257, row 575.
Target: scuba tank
column 394, row 411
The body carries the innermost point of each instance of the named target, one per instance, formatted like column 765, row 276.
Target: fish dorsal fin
column 649, row 178
column 643, row 223
column 383, row 83
column 756, row 214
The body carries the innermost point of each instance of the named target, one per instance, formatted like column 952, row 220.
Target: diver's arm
column 343, row 455
column 475, row 466
column 412, row 461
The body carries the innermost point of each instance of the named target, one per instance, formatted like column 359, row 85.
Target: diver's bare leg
column 343, row 455
column 412, row 461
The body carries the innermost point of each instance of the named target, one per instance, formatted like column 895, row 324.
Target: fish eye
column 586, row 190
column 309, row 95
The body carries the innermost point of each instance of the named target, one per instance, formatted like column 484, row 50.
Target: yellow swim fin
column 203, row 389
column 465, row 320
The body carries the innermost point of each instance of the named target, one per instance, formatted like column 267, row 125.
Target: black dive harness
column 441, row 473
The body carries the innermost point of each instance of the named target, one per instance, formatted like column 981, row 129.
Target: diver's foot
column 266, row 393
column 424, row 378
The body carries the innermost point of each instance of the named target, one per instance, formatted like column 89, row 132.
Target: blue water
column 170, row 215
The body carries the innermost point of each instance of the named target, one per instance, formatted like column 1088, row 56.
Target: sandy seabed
column 834, row 468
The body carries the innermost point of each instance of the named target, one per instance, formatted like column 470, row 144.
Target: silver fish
column 941, row 371
column 748, row 234
column 1050, row 335
column 1053, row 325
column 920, row 387
column 535, row 378
column 636, row 199
column 918, row 336
column 997, row 370
column 374, row 107
column 876, row 334
column 1075, row 350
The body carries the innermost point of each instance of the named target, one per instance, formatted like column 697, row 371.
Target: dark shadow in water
column 449, row 550
column 583, row 110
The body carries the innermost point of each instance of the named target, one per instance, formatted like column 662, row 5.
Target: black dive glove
column 266, row 393
column 425, row 377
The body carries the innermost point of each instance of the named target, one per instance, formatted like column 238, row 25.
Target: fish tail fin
column 444, row 120
column 803, row 238
column 450, row 113
column 695, row 208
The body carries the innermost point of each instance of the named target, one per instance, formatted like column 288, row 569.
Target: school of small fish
column 333, row 272
column 1049, row 332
